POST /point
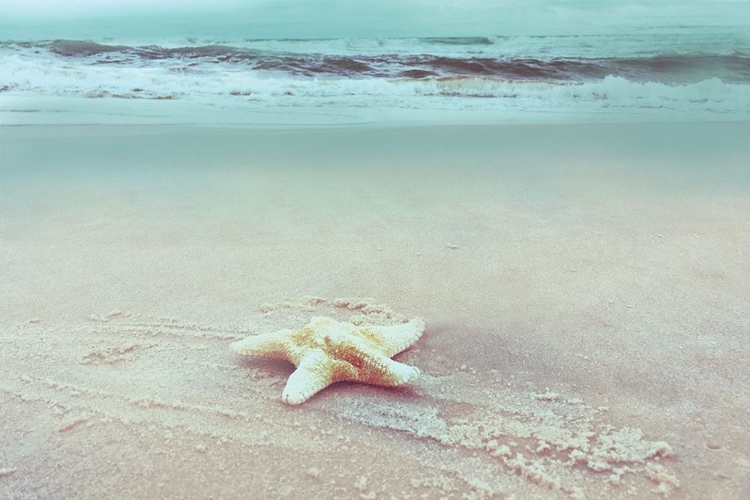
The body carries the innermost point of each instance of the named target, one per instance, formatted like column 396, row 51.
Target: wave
column 81, row 48
column 228, row 84
column 665, row 68
column 644, row 42
column 459, row 40
column 482, row 73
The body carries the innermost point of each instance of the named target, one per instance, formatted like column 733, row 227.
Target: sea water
column 701, row 71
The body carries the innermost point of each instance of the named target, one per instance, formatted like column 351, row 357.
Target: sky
column 368, row 18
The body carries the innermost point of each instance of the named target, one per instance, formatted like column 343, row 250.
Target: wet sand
column 584, row 287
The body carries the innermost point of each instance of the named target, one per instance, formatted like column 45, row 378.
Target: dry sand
column 586, row 291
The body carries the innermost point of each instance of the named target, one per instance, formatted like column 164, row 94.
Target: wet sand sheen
column 583, row 286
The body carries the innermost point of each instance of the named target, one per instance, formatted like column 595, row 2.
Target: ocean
column 674, row 71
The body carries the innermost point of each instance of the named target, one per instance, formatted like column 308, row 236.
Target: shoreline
column 18, row 110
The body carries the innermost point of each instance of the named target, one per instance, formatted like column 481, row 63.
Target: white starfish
column 327, row 351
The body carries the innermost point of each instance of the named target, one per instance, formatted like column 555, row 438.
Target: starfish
column 327, row 351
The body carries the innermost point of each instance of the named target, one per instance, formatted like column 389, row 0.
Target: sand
column 585, row 289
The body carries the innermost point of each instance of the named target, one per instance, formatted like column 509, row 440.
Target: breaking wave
column 439, row 73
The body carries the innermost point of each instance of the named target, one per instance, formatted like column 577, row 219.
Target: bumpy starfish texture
column 327, row 351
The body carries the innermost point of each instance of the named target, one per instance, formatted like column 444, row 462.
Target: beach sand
column 585, row 289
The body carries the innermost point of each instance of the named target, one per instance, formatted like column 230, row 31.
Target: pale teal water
column 367, row 18
column 279, row 60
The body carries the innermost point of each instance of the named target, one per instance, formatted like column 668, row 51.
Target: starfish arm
column 379, row 370
column 311, row 376
column 270, row 345
column 400, row 373
column 396, row 338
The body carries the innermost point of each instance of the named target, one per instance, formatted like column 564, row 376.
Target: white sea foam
column 228, row 84
column 228, row 76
